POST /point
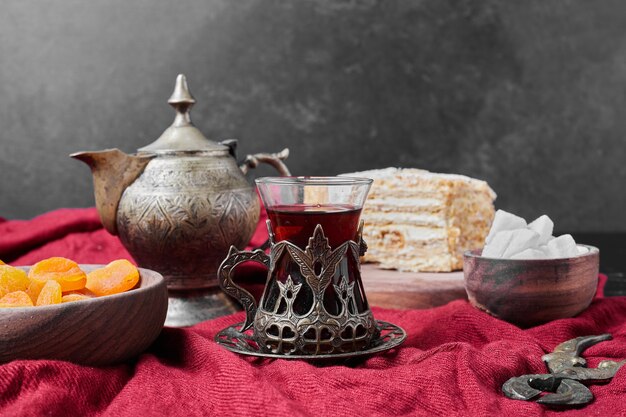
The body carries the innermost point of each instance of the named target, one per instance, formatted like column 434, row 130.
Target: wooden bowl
column 99, row 331
column 528, row 292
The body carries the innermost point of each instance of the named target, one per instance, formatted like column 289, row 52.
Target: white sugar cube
column 530, row 253
column 563, row 246
column 497, row 246
column 582, row 250
column 544, row 226
column 510, row 237
column 521, row 240
column 504, row 221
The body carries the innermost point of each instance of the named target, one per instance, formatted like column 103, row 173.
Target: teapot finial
column 182, row 101
column 182, row 135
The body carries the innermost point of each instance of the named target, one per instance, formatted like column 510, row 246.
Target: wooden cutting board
column 414, row 290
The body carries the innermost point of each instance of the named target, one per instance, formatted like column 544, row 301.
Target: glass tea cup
column 313, row 302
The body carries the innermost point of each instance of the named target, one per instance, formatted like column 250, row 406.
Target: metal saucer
column 243, row 343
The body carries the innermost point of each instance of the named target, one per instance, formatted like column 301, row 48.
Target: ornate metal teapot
column 177, row 206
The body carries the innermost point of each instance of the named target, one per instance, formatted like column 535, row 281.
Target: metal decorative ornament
column 244, row 343
column 310, row 331
column 568, row 372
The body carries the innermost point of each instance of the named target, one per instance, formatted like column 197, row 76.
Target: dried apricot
column 116, row 277
column 50, row 294
column 64, row 271
column 82, row 291
column 12, row 279
column 68, row 298
column 16, row 299
column 86, row 292
column 34, row 288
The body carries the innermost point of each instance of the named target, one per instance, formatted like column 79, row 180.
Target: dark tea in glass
column 296, row 224
column 313, row 302
column 295, row 206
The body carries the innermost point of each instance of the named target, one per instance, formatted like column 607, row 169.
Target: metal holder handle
column 273, row 159
column 224, row 277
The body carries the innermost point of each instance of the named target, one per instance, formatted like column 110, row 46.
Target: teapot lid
column 182, row 135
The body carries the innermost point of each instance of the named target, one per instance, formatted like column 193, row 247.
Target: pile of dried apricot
column 60, row 280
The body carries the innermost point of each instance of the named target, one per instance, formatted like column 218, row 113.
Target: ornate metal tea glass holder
column 291, row 320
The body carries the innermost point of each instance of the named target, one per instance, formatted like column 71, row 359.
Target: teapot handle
column 225, row 280
column 273, row 159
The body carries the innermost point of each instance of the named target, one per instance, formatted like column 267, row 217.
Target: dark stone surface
column 529, row 96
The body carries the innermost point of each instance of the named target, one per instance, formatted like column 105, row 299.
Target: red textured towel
column 453, row 363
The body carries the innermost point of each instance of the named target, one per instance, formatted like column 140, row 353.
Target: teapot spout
column 113, row 171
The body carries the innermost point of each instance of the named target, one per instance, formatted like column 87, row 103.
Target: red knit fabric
column 453, row 363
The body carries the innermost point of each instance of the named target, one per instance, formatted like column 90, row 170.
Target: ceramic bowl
column 528, row 292
column 99, row 331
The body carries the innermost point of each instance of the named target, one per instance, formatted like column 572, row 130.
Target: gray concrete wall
column 528, row 95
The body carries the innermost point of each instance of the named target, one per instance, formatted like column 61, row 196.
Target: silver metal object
column 286, row 324
column 178, row 205
column 390, row 336
column 568, row 371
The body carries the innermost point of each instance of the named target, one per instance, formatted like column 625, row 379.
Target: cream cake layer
column 409, row 248
column 417, row 220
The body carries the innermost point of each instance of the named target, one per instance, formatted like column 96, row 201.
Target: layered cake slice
column 417, row 220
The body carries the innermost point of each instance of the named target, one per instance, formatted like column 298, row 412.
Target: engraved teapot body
column 178, row 205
